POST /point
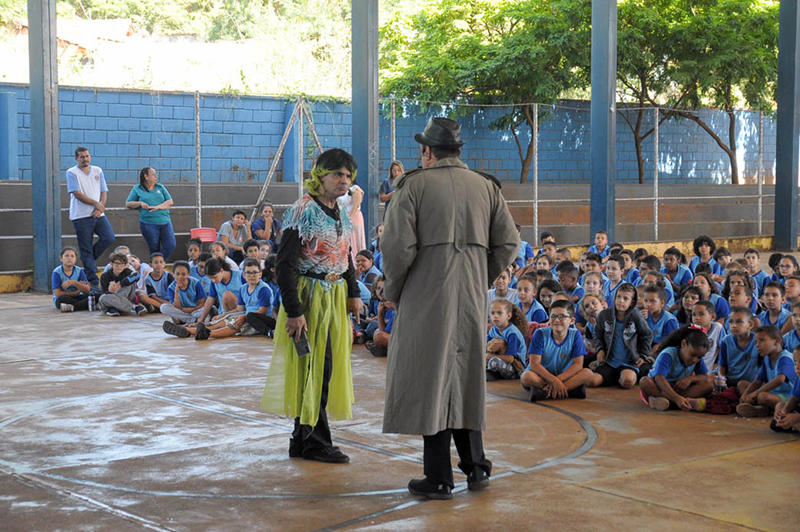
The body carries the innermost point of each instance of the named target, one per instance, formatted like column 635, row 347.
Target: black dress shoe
column 537, row 394
column 478, row 479
column 329, row 455
column 578, row 393
column 429, row 489
column 295, row 449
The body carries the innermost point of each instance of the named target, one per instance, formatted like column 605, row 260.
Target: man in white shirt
column 87, row 187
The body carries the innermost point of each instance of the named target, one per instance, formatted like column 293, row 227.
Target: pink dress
column 357, row 236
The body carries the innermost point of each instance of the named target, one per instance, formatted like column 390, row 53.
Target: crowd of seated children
column 250, row 315
column 118, row 286
column 70, row 286
column 775, row 379
column 679, row 375
column 787, row 413
column 505, row 343
column 555, row 358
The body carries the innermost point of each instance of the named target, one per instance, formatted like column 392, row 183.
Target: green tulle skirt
column 294, row 384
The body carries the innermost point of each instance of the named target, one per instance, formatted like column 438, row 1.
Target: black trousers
column 260, row 322
column 80, row 300
column 436, row 454
column 305, row 438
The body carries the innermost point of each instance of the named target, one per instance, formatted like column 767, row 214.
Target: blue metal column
column 604, row 117
column 788, row 127
column 45, row 162
column 292, row 156
column 365, row 105
column 9, row 143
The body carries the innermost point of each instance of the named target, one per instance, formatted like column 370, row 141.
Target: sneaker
column 112, row 312
column 329, row 455
column 698, row 405
column 426, row 488
column 175, row 330
column 377, row 351
column 360, row 338
column 478, row 479
column 66, row 307
column 658, row 403
column 578, row 393
column 202, row 332
column 492, row 376
column 140, row 310
column 748, row 410
column 537, row 394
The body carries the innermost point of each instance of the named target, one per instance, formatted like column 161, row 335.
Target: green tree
column 489, row 52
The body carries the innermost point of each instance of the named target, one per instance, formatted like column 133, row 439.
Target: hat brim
column 422, row 139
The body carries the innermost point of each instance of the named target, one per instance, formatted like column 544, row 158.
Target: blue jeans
column 85, row 229
column 159, row 238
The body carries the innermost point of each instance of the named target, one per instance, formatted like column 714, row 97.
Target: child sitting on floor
column 774, row 313
column 615, row 273
column 505, row 343
column 703, row 315
column 775, row 379
column 689, row 296
column 708, row 288
column 568, row 279
column 193, row 250
column 254, row 297
column 198, row 271
column 225, row 285
column 526, row 293
column 555, row 364
column 660, row 321
column 118, row 287
column 220, row 251
column 792, row 294
column 250, row 248
column 787, row 414
column 380, row 339
column 156, row 292
column 591, row 305
column 738, row 359
column 501, row 290
column 679, row 376
column 760, row 277
column 791, row 340
column 630, row 271
column 600, row 245
column 546, row 292
column 622, row 340
column 185, row 295
column 676, row 273
column 704, row 248
column 69, row 283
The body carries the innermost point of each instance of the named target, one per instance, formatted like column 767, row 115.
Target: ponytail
column 517, row 316
column 694, row 335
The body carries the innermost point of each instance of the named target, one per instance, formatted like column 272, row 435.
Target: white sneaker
column 66, row 307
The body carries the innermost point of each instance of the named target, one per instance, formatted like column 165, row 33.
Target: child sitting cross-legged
column 69, row 283
column 775, row 378
column 526, row 293
column 660, row 321
column 186, row 295
column 622, row 340
column 738, row 358
column 379, row 345
column 679, row 376
column 791, row 340
column 773, row 298
column 787, row 413
column 591, row 305
column 119, row 288
column 157, row 282
column 501, row 290
column 250, row 317
column 505, row 343
column 703, row 315
column 198, row 271
column 555, row 358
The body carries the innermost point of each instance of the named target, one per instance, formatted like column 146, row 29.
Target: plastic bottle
column 720, row 384
column 91, row 302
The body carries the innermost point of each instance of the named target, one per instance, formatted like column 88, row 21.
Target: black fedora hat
column 441, row 132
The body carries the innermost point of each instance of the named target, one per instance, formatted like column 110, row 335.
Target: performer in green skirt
column 318, row 288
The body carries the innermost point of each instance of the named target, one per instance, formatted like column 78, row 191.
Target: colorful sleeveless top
column 325, row 241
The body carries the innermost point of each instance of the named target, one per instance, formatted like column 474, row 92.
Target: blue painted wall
column 126, row 130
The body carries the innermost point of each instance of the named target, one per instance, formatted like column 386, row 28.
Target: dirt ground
column 108, row 424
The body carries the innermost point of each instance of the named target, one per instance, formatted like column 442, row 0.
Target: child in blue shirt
column 787, row 414
column 704, row 247
column 555, row 363
column 773, row 298
column 501, row 290
column 156, row 285
column 225, row 285
column 600, row 245
column 69, row 283
column 525, row 252
column 660, row 321
column 791, row 340
column 505, row 343
column 198, row 271
column 708, row 288
column 679, row 376
column 676, row 273
column 738, row 359
column 526, row 293
column 760, row 277
column 775, row 379
column 568, row 279
column 615, row 271
column 193, row 250
column 186, row 295
column 630, row 273
column 622, row 340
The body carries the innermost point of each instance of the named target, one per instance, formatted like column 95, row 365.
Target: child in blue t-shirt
column 526, row 294
column 679, row 376
column 505, row 343
column 379, row 345
column 555, row 358
column 791, row 340
column 704, row 248
column 709, row 291
column 600, row 245
column 787, row 414
column 198, row 271
column 775, row 379
column 660, row 321
column 677, row 274
column 69, row 283
column 773, row 298
column 738, row 359
column 156, row 285
column 568, row 279
column 501, row 290
column 760, row 277
column 186, row 295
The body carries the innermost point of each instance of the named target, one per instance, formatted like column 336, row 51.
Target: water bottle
column 91, row 302
column 720, row 384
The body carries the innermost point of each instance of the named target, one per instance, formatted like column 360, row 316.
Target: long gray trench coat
column 448, row 234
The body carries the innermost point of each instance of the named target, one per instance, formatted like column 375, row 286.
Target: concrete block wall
column 239, row 135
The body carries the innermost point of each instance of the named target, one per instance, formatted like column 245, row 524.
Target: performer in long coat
column 448, row 235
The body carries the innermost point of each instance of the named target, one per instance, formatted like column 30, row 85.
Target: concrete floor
column 108, row 424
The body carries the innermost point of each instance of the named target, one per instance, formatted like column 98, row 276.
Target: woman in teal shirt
column 153, row 202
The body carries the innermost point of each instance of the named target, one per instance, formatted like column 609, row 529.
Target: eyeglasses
column 560, row 317
column 251, row 272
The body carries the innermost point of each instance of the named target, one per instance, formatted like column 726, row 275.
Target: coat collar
column 441, row 163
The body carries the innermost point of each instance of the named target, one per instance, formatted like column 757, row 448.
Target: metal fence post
column 394, row 136
column 536, row 174
column 655, row 174
column 758, row 173
column 301, row 156
column 198, row 186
